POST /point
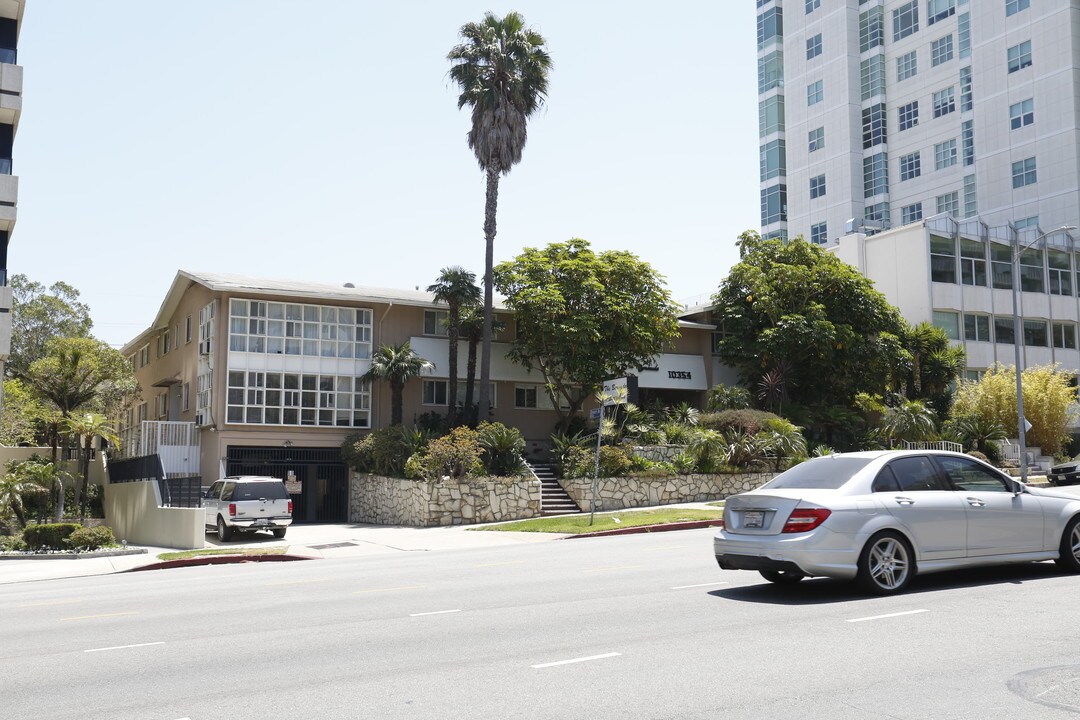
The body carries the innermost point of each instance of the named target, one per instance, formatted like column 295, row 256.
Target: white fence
column 176, row 443
column 935, row 445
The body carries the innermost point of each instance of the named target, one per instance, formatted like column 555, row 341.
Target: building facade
column 11, row 80
column 879, row 113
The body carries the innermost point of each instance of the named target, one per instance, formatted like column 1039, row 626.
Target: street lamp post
column 1018, row 336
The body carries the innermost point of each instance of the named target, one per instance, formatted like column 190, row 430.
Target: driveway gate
column 324, row 478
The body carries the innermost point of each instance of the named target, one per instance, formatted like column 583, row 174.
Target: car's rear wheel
column 886, row 565
column 224, row 532
column 782, row 577
column 1069, row 552
column 279, row 532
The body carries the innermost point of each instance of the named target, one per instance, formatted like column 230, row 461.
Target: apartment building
column 11, row 80
column 886, row 112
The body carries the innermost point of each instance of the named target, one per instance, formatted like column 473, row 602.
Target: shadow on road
column 818, row 591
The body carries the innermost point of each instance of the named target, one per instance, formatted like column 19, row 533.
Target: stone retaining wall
column 423, row 503
column 616, row 493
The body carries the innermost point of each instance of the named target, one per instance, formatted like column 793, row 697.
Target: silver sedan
column 881, row 517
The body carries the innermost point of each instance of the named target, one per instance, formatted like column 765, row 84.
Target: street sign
column 613, row 391
column 595, row 413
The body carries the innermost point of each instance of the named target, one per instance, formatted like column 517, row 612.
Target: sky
column 321, row 141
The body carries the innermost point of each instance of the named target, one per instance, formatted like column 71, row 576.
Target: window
column 819, row 233
column 207, row 327
column 937, row 10
column 770, row 71
column 288, row 398
column 817, row 187
column 770, row 27
column 916, row 474
column 813, row 47
column 774, row 204
column 771, row 115
column 435, row 322
column 872, row 29
column 873, row 126
column 187, row 329
column 1004, row 331
column 1001, row 266
column 185, row 397
column 816, row 139
column 1028, row 222
column 911, row 213
column 775, row 235
column 971, row 198
column 944, row 102
column 525, row 396
column 945, row 154
column 949, row 322
column 967, row 100
column 905, row 20
column 942, row 259
column 875, row 175
column 972, row 262
column 1023, row 173
column 277, row 328
column 165, row 344
column 773, row 161
column 948, row 203
column 144, row 355
column 203, row 386
column 1020, row 56
column 872, row 76
column 1014, row 6
column 815, row 93
column 910, row 166
column 977, row 328
column 812, row 5
column 1065, row 335
column 1022, row 114
column 878, row 212
column 434, row 392
column 969, row 476
column 1035, row 333
column 907, row 65
column 908, row 115
column 1060, row 272
column 963, row 34
column 967, row 141
column 1032, row 270
column 941, row 51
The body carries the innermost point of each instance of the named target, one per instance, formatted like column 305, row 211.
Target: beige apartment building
column 254, row 376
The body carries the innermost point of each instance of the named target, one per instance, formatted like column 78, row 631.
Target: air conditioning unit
column 199, row 420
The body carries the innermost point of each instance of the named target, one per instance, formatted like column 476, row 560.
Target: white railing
column 176, row 443
column 934, row 445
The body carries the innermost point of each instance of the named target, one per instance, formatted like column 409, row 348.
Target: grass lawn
column 579, row 524
column 185, row 554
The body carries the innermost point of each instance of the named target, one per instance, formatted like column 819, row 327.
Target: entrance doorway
column 324, row 478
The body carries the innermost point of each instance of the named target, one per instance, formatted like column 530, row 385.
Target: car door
column 915, row 493
column 210, row 503
column 998, row 521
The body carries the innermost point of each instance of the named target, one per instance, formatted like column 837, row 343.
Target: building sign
column 679, row 375
column 293, row 485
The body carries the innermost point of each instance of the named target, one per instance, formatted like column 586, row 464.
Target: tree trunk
column 396, row 391
column 490, row 205
column 470, row 380
column 16, row 508
column 451, row 385
column 85, row 463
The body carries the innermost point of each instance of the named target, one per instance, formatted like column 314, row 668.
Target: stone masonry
column 616, row 493
column 424, row 503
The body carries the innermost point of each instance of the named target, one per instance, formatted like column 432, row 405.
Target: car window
column 916, row 474
column 227, row 494
column 827, row 473
column 885, row 481
column 214, row 491
column 971, row 476
column 270, row 490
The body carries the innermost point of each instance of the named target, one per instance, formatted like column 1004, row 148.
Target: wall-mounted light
column 287, row 443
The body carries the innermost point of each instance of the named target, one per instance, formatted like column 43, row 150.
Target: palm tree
column 87, row 426
column 471, row 327
column 502, row 68
column 911, row 420
column 23, row 478
column 396, row 364
column 456, row 287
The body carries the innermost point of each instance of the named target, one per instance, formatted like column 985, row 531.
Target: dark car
column 1067, row 473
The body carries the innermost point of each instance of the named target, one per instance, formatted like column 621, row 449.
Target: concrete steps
column 553, row 499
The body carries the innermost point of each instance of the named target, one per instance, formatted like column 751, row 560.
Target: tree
column 39, row 314
column 796, row 306
column 397, row 365
column 472, row 329
column 456, row 287
column 502, row 68
column 23, row 478
column 87, row 426
column 584, row 317
column 929, row 365
column 22, row 415
column 910, row 420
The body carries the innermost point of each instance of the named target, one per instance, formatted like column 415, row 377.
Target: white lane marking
column 388, row 589
column 436, row 612
column 577, row 660
column 686, row 587
column 94, row 617
column 125, row 647
column 890, row 615
column 612, row 569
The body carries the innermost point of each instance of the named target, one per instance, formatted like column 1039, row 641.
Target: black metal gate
column 324, row 478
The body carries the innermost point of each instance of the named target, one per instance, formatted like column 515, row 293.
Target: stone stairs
column 553, row 499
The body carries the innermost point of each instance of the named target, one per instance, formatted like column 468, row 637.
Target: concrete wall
column 133, row 511
column 97, row 465
column 420, row 503
column 616, row 493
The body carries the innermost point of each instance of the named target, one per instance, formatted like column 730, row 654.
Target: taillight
column 232, row 509
column 804, row 519
column 290, row 507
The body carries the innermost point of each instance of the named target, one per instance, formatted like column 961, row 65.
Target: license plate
column 753, row 518
column 262, row 521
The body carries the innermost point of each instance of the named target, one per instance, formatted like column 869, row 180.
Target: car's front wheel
column 782, row 577
column 224, row 532
column 1069, row 552
column 886, row 565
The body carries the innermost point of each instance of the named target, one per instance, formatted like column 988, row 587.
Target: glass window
column 972, row 262
column 977, row 328
column 875, row 175
column 971, row 198
column 525, row 396
column 1065, row 335
column 1004, row 330
column 825, row 473
column 944, row 102
column 773, row 160
column 816, row 139
column 770, row 27
column 885, row 481
column 1060, row 272
column 812, row 5
column 910, row 166
column 872, row 28
column 948, row 203
column 815, row 93
column 771, row 115
column 941, row 51
column 967, row 100
column 945, row 154
column 908, row 115
column 907, row 65
column 1031, row 270
column 878, row 212
column 972, row 476
column 873, row 127
column 817, row 186
column 1023, row 173
column 773, row 204
column 967, row 142
column 1022, row 114
column 770, row 71
column 813, row 47
column 435, row 322
column 819, row 233
column 942, row 259
column 872, row 76
column 1019, row 56
column 1035, row 333
column 905, row 20
column 1014, row 6
column 949, row 322
column 911, row 213
column 434, row 392
column 1001, row 266
column 916, row 474
column 963, row 34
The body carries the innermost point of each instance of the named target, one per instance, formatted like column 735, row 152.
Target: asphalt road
column 640, row 626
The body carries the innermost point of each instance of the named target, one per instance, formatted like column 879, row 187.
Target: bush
column 91, row 538
column 724, row 397
column 502, row 447
column 382, row 451
column 978, row 455
column 580, row 462
column 11, row 543
column 747, row 422
column 456, row 455
column 51, row 536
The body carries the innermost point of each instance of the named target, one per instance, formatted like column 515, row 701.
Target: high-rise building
column 11, row 79
column 886, row 112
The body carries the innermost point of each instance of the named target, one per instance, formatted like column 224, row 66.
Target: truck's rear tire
column 224, row 532
column 279, row 532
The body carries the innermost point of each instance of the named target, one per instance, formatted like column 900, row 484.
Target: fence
column 176, row 443
column 175, row 491
column 934, row 445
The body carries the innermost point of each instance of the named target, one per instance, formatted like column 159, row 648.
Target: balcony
column 11, row 85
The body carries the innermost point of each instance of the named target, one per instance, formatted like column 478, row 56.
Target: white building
column 11, row 79
column 890, row 111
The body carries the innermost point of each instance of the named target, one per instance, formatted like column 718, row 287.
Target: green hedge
column 50, row 536
column 91, row 538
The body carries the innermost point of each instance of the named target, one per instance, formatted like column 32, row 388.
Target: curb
column 217, row 560
column 693, row 525
column 73, row 556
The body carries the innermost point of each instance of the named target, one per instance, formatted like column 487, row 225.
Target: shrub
column 749, row 422
column 679, row 434
column 724, row 397
column 51, row 536
column 382, row 451
column 580, row 462
column 978, row 455
column 614, row 461
column 456, row 455
column 91, row 538
column 686, row 463
column 11, row 543
column 502, row 447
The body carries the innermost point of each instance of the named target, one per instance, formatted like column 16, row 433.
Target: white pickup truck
column 247, row 503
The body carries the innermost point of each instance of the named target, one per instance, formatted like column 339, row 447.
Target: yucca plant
column 502, row 447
